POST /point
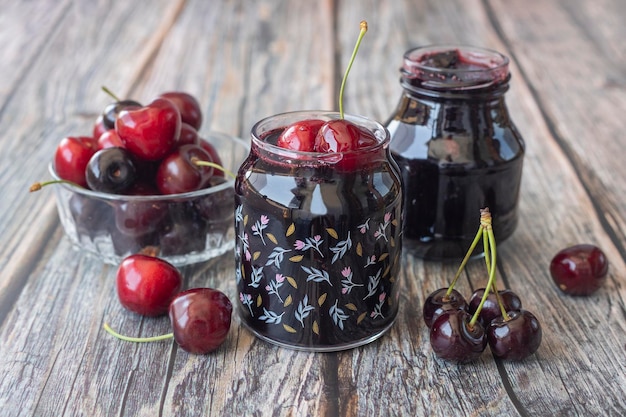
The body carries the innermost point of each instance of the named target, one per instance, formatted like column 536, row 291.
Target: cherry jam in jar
column 457, row 148
column 317, row 239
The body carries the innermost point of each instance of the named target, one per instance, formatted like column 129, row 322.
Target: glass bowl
column 183, row 228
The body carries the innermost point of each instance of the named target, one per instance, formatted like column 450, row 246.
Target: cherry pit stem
column 363, row 26
column 137, row 339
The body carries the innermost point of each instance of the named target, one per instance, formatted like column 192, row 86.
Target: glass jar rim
column 490, row 67
column 282, row 120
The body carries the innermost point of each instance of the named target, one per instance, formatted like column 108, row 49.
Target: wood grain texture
column 248, row 60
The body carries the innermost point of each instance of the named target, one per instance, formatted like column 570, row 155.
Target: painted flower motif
column 347, row 284
column 309, row 243
column 247, row 300
column 363, row 228
column 258, row 226
column 378, row 308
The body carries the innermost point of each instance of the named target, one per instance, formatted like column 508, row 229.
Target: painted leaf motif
column 360, row 318
column 392, row 242
column 292, row 282
column 359, row 249
column 394, row 222
column 288, row 301
column 245, row 220
column 296, row 258
column 351, row 306
column 316, row 328
column 332, row 232
column 272, row 238
column 256, row 255
column 387, row 270
column 383, row 256
column 259, row 301
column 321, row 299
column 290, row 230
column 289, row 328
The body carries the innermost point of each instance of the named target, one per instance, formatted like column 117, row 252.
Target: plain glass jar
column 457, row 148
column 318, row 239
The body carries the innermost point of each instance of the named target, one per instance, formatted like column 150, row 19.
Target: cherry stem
column 202, row 163
column 487, row 232
column 465, row 259
column 110, row 93
column 39, row 185
column 137, row 339
column 363, row 26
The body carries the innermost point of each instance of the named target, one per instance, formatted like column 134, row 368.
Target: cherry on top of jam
column 342, row 136
column 300, row 136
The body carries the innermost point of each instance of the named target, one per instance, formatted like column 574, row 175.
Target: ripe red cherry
column 300, row 136
column 110, row 139
column 438, row 302
column 146, row 285
column 341, row 136
column 178, row 173
column 99, row 128
column 72, row 156
column 200, row 319
column 579, row 269
column 188, row 135
column 452, row 337
column 150, row 132
column 515, row 338
column 188, row 107
column 213, row 154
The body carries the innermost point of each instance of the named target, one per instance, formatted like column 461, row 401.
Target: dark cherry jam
column 457, row 149
column 318, row 245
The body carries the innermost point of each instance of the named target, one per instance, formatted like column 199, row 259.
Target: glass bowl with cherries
column 146, row 181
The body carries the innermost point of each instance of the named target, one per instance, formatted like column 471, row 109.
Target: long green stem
column 488, row 235
column 39, row 185
column 465, row 259
column 363, row 26
column 137, row 339
column 200, row 162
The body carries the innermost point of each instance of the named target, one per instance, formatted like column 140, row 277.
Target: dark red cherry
column 146, row 285
column 113, row 110
column 580, row 269
column 300, row 136
column 188, row 135
column 515, row 338
column 150, row 132
column 188, row 107
column 215, row 157
column 438, row 302
column 137, row 218
column 72, row 156
column 491, row 308
column 200, row 319
column 452, row 337
column 178, row 173
column 111, row 170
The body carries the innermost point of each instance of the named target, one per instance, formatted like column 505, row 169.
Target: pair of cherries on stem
column 460, row 331
column 334, row 136
column 150, row 286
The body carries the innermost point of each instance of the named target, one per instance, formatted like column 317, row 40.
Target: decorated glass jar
column 317, row 239
column 457, row 148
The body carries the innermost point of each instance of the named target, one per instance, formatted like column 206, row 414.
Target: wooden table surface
column 246, row 60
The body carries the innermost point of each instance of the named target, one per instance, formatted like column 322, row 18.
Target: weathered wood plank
column 248, row 61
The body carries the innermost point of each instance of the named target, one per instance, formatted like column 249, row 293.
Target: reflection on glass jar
column 457, row 148
column 318, row 239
